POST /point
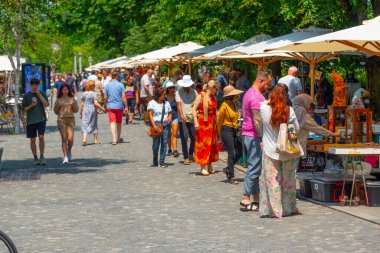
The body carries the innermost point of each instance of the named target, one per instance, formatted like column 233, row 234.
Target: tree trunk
column 276, row 70
column 17, row 89
column 376, row 7
column 373, row 77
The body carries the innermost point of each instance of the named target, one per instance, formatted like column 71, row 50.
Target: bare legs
column 33, row 146
column 131, row 117
column 96, row 140
column 174, row 133
column 67, row 136
column 116, row 131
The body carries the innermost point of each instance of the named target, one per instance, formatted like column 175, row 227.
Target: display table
column 352, row 156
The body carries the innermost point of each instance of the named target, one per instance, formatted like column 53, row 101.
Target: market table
column 353, row 155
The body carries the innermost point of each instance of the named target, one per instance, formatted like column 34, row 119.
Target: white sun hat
column 186, row 81
column 169, row 84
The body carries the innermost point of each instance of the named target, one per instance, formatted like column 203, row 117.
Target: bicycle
column 7, row 242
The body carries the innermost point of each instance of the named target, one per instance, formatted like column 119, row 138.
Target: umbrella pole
column 190, row 66
column 312, row 79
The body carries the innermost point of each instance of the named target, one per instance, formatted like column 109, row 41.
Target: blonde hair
column 90, row 85
column 211, row 84
column 208, row 86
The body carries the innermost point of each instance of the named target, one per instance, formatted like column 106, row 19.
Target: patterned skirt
column 277, row 188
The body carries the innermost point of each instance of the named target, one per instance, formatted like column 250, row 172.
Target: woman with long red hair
column 277, row 180
column 65, row 107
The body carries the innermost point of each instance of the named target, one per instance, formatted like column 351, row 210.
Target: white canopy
column 208, row 49
column 359, row 38
column 259, row 48
column 216, row 55
column 168, row 53
column 5, row 63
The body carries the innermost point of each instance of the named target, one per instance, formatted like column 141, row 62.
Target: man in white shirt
column 146, row 90
column 293, row 83
column 93, row 76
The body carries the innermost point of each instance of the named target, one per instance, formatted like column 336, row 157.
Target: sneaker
column 36, row 162
column 191, row 158
column 186, row 162
column 65, row 160
column 69, row 155
column 154, row 165
column 163, row 165
column 169, row 152
column 175, row 153
column 42, row 161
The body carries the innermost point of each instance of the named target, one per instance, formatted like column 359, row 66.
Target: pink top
column 251, row 101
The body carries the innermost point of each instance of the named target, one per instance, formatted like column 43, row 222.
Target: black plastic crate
column 305, row 185
column 373, row 191
column 328, row 189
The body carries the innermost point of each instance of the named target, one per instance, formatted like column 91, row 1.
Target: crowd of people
column 203, row 114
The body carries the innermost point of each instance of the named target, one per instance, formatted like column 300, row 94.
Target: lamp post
column 80, row 62
column 75, row 62
column 90, row 61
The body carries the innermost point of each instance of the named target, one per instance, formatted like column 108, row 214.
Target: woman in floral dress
column 88, row 112
column 277, row 180
column 206, row 140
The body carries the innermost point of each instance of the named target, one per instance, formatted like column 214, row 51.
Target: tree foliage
column 108, row 28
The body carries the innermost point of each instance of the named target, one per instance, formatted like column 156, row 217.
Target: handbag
column 287, row 140
column 159, row 131
column 238, row 136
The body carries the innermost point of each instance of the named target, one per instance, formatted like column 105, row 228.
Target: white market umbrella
column 359, row 38
column 5, row 63
column 256, row 53
column 364, row 39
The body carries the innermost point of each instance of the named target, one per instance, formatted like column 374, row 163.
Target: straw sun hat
column 230, row 90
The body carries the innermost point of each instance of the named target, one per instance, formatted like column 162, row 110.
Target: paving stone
column 110, row 200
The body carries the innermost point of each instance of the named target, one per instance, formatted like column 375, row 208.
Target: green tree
column 18, row 18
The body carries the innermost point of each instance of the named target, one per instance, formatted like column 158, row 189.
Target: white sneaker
column 69, row 155
column 65, row 160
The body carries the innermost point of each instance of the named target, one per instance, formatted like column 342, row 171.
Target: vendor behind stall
column 302, row 105
column 360, row 99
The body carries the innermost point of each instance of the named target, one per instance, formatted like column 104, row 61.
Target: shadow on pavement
column 55, row 166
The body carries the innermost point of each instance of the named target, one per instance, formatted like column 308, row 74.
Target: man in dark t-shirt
column 70, row 80
column 34, row 103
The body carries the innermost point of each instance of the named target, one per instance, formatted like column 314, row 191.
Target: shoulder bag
column 159, row 131
column 287, row 140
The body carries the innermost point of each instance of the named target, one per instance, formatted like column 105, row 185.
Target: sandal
column 204, row 173
column 253, row 206
column 234, row 181
column 211, row 171
column 120, row 140
column 84, row 143
column 96, row 142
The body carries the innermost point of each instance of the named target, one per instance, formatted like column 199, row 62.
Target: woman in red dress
column 206, row 140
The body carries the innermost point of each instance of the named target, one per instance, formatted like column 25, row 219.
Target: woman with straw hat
column 227, row 126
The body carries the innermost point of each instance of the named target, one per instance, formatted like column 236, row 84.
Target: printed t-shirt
column 252, row 100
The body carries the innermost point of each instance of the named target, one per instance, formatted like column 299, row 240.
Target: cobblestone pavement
column 110, row 200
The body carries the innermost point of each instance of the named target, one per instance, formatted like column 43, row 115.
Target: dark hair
column 34, row 81
column 93, row 72
column 60, row 94
column 115, row 75
column 158, row 93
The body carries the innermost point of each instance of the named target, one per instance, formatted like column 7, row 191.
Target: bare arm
column 96, row 103
column 195, row 109
column 42, row 98
column 57, row 107
column 150, row 113
column 179, row 108
column 257, row 122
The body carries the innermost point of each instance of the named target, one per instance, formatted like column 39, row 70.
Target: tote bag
column 287, row 140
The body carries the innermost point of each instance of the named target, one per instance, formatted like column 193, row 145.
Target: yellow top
column 67, row 107
column 227, row 117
